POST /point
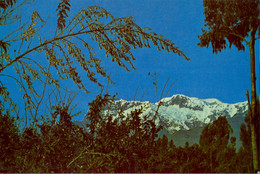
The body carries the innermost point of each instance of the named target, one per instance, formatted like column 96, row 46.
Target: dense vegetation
column 53, row 143
column 236, row 23
column 124, row 144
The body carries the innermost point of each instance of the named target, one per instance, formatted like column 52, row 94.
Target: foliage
column 230, row 21
column 7, row 3
column 245, row 151
column 63, row 7
column 215, row 140
column 9, row 13
column 127, row 143
column 70, row 48
column 133, row 138
column 238, row 23
column 9, row 140
column 5, row 99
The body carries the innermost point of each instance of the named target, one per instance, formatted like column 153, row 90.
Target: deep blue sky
column 224, row 76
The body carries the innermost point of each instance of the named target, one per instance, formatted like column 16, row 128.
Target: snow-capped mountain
column 183, row 118
column 180, row 112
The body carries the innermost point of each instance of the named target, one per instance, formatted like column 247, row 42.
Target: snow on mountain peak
column 180, row 112
column 212, row 101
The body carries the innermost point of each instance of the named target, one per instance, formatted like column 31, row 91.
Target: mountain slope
column 183, row 118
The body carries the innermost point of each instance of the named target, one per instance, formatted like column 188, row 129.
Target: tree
column 245, row 151
column 58, row 147
column 236, row 22
column 161, row 160
column 53, row 146
column 216, row 142
column 128, row 140
column 9, row 142
column 71, row 47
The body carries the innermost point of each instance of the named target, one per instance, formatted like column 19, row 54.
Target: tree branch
column 44, row 89
column 48, row 42
column 238, row 35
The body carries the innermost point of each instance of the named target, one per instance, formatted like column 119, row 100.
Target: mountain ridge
column 180, row 112
column 181, row 116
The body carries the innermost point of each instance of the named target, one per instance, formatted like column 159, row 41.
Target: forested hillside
column 62, row 61
column 125, row 144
